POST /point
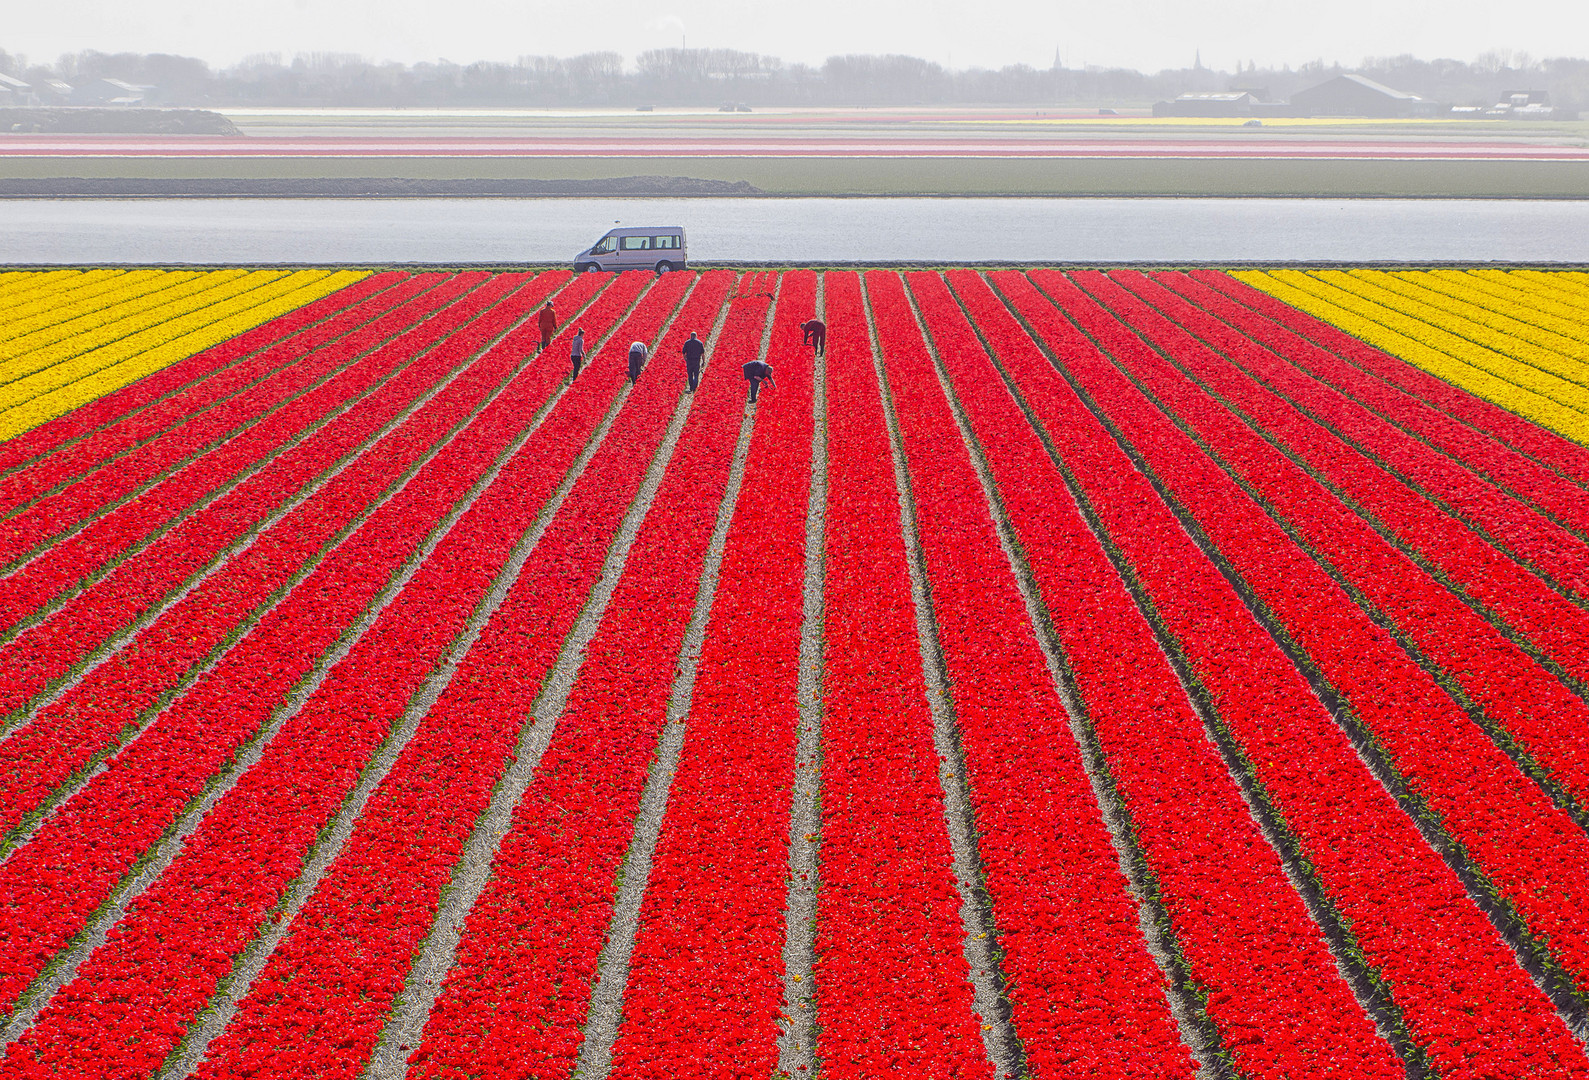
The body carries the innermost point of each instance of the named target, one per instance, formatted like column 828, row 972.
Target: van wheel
column 590, row 268
column 664, row 266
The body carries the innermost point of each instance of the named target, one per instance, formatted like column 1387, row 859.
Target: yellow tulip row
column 1525, row 389
column 16, row 282
column 142, row 304
column 251, row 299
column 1572, row 286
column 43, row 308
column 108, row 336
column 1500, row 326
column 1509, row 358
column 1450, row 326
column 1542, row 318
column 21, row 290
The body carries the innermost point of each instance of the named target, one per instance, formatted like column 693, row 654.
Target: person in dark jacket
column 816, row 334
column 547, row 321
column 637, row 359
column 576, row 351
column 694, row 349
column 756, row 371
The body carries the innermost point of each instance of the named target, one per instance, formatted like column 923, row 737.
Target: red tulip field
column 1051, row 674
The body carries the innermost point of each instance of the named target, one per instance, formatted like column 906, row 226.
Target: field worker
column 547, row 320
column 576, row 351
column 816, row 334
column 637, row 359
column 756, row 371
column 694, row 349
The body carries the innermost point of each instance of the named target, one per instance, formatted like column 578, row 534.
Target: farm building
column 110, row 92
column 1354, row 95
column 1232, row 103
column 15, row 91
column 1523, row 104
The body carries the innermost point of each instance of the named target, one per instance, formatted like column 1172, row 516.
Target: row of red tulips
column 1446, row 978
column 245, row 852
column 890, row 968
column 318, row 1006
column 1268, row 981
column 515, row 1001
column 1083, row 989
column 705, row 989
column 107, row 704
column 1532, row 852
column 49, row 650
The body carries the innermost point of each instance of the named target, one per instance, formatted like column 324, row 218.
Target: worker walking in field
column 816, row 335
column 547, row 321
column 756, row 371
column 694, row 350
column 637, row 359
column 576, row 351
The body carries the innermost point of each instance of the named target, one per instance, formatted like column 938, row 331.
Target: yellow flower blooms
column 81, row 334
column 1517, row 339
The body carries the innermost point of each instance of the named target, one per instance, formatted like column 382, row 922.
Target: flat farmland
column 1053, row 672
column 830, row 152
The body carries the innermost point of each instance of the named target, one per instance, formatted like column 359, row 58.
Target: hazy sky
column 1146, row 34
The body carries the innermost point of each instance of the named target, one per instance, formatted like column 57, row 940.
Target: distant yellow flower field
column 1226, row 121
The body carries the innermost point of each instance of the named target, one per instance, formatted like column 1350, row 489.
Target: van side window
column 637, row 243
column 671, row 242
column 608, row 243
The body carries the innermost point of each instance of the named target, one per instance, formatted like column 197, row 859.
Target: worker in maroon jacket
column 694, row 349
column 547, row 320
column 816, row 334
column 756, row 371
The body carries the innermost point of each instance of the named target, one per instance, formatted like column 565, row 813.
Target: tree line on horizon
column 680, row 77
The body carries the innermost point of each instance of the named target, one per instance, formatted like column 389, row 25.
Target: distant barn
column 110, row 92
column 15, row 92
column 1353, row 95
column 1232, row 103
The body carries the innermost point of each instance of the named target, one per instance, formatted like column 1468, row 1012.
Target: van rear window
column 671, row 242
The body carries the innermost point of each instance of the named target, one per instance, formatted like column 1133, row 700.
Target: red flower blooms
column 1304, row 604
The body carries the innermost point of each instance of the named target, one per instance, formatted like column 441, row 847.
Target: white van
column 659, row 248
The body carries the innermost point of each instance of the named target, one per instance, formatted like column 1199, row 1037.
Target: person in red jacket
column 548, row 323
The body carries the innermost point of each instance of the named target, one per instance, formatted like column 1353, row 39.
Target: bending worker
column 816, row 334
column 756, row 371
column 637, row 359
column 694, row 349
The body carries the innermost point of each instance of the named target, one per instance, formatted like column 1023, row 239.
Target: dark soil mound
column 366, row 187
column 75, row 120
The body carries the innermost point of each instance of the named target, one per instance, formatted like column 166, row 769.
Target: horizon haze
column 1147, row 35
